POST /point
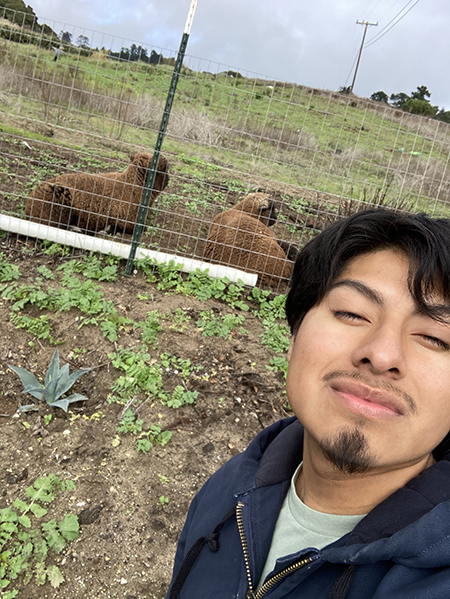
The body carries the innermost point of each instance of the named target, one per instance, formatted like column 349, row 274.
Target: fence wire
column 73, row 112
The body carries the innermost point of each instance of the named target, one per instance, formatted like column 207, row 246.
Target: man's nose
column 382, row 351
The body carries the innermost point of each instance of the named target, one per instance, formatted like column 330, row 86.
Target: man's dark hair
column 424, row 240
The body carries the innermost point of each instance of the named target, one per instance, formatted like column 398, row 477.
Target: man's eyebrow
column 442, row 313
column 368, row 292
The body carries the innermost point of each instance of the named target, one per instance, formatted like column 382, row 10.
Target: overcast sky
column 309, row 42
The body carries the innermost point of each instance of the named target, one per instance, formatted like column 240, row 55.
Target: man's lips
column 368, row 401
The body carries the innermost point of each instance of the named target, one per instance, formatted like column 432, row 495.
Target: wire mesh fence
column 285, row 160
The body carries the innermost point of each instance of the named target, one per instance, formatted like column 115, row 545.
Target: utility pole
column 366, row 24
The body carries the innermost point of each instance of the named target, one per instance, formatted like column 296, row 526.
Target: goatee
column 348, row 451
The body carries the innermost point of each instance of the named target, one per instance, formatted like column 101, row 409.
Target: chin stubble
column 348, row 451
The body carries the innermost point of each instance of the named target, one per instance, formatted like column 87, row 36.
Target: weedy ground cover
column 27, row 541
column 140, row 374
column 182, row 402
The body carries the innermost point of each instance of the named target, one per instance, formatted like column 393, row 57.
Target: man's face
column 369, row 376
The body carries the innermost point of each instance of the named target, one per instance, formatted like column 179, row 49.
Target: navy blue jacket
column 400, row 550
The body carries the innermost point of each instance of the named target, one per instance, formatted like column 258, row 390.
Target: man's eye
column 343, row 315
column 437, row 342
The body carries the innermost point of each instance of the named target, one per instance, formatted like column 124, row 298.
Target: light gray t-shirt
column 298, row 526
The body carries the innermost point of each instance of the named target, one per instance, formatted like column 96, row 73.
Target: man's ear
column 291, row 348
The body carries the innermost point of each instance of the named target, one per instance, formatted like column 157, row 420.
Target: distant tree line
column 18, row 13
column 138, row 53
column 416, row 103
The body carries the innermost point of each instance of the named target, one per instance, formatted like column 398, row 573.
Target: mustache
column 382, row 385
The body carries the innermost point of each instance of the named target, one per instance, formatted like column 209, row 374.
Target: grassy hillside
column 254, row 129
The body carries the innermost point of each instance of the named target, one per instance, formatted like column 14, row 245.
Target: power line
column 385, row 28
column 376, row 6
column 390, row 10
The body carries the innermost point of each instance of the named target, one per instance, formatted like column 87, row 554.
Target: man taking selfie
column 350, row 498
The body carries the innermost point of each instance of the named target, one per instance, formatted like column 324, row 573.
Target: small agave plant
column 57, row 382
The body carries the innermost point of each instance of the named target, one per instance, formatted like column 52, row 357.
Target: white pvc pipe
column 106, row 246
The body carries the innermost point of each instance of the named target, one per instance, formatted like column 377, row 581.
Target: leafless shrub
column 370, row 199
column 426, row 176
column 145, row 111
column 6, row 81
column 192, row 125
column 283, row 138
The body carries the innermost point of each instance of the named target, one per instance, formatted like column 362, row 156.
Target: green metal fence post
column 139, row 226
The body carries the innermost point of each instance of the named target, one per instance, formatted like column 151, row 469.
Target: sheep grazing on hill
column 96, row 202
column 241, row 237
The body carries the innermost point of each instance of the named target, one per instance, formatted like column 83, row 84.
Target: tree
column 380, row 97
column 134, row 52
column 155, row 58
column 82, row 40
column 66, row 36
column 124, row 54
column 443, row 115
column 421, row 94
column 345, row 89
column 416, row 106
column 399, row 99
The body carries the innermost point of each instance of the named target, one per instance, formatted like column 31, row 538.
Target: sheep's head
column 261, row 206
column 162, row 176
column 144, row 161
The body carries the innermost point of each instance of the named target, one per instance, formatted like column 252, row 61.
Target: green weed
column 93, row 266
column 178, row 318
column 8, row 272
column 38, row 326
column 203, row 287
column 223, row 326
column 25, row 544
column 155, row 436
column 140, row 375
column 181, row 366
column 112, row 324
column 268, row 308
column 180, row 397
column 54, row 249
column 150, row 328
column 170, row 277
column 46, row 272
column 130, row 424
column 163, row 501
column 276, row 336
column 279, row 364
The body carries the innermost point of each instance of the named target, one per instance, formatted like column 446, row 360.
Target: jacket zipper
column 251, row 594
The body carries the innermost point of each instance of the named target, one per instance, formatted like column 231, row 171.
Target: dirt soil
column 128, row 538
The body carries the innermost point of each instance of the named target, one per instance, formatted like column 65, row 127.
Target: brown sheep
column 241, row 237
column 95, row 202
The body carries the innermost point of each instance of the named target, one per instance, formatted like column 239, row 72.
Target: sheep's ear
column 132, row 157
